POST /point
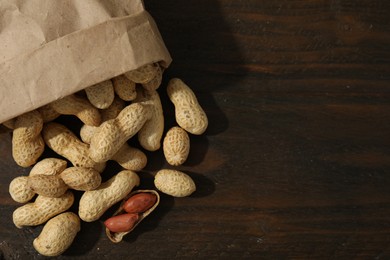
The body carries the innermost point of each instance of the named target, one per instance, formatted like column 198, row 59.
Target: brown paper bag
column 50, row 49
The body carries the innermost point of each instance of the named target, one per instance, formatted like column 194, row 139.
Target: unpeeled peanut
column 112, row 134
column 87, row 131
column 27, row 142
column 143, row 74
column 48, row 113
column 79, row 107
column 95, row 202
column 20, row 191
column 130, row 158
column 176, row 146
column 174, row 183
column 47, row 185
column 65, row 143
column 149, row 136
column 48, row 166
column 19, row 187
column 101, row 95
column 124, row 88
column 189, row 114
column 122, row 223
column 155, row 82
column 41, row 210
column 58, row 234
column 113, row 110
column 81, row 178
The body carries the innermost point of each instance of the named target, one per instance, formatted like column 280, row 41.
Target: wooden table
column 295, row 163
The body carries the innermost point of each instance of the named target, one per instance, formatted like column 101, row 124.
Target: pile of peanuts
column 113, row 112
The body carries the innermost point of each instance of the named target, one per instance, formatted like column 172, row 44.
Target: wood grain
column 295, row 163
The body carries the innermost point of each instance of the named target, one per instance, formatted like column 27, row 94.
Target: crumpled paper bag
column 52, row 48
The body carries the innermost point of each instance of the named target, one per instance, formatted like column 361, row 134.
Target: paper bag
column 52, row 48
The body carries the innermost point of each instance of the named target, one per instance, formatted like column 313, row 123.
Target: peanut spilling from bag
column 113, row 112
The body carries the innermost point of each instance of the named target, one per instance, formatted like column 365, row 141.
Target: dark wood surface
column 295, row 163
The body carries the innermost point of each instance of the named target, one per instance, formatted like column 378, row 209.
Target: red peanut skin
column 139, row 203
column 121, row 223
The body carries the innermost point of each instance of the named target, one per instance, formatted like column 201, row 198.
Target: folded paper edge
column 39, row 77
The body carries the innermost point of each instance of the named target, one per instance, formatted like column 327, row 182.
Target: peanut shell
column 117, row 237
column 174, row 183
column 81, row 178
column 176, row 146
column 20, row 191
column 47, row 185
column 41, row 210
column 57, row 235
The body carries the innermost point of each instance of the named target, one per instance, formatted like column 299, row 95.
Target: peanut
column 111, row 112
column 57, row 235
column 124, row 88
column 130, row 158
column 44, row 208
column 80, row 178
column 48, row 113
column 143, row 74
column 174, row 183
column 154, row 83
column 79, row 107
column 48, row 166
column 86, row 133
column 112, row 134
column 189, row 114
column 101, row 95
column 151, row 132
column 62, row 141
column 47, row 185
column 121, row 223
column 139, row 202
column 20, row 191
column 94, row 203
column 27, row 142
column 176, row 146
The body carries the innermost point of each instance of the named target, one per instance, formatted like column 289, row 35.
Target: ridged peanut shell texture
column 176, row 146
column 81, row 178
column 48, row 113
column 62, row 141
column 41, row 210
column 130, row 158
column 27, row 142
column 189, row 114
column 154, row 83
column 101, row 95
column 113, row 134
column 124, row 88
column 79, row 107
column 47, row 185
column 94, row 203
column 143, row 74
column 20, row 191
column 58, row 234
column 48, row 166
column 174, row 183
column 150, row 135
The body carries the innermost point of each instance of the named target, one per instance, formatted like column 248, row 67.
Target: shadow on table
column 204, row 52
